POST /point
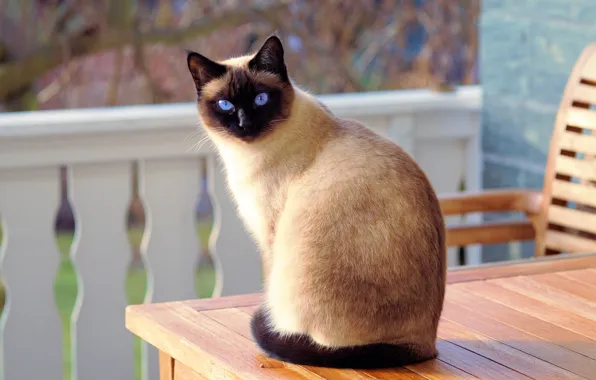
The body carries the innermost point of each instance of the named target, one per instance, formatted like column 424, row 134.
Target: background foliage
column 90, row 53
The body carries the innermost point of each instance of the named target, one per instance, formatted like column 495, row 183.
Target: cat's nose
column 243, row 120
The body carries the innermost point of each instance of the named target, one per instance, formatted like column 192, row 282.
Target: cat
column 349, row 227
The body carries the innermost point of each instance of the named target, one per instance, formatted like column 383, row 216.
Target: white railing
column 99, row 146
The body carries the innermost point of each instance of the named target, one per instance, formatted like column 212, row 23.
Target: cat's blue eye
column 261, row 99
column 225, row 105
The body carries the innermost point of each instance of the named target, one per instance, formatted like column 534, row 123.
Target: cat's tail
column 301, row 349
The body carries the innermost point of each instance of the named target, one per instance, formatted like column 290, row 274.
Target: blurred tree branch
column 157, row 94
column 114, row 82
column 57, row 85
column 16, row 75
column 313, row 44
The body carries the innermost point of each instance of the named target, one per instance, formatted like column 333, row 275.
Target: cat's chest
column 256, row 206
column 251, row 205
column 258, row 194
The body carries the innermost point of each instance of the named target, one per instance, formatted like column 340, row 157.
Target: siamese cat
column 350, row 230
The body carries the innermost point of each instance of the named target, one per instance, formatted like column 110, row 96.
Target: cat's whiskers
column 197, row 132
column 199, row 144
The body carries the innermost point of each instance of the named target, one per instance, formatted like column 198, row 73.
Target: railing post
column 102, row 348
column 30, row 328
column 169, row 189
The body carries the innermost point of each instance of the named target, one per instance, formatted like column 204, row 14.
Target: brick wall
column 527, row 50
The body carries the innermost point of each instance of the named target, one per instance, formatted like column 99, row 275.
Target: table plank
column 544, row 330
column 439, row 370
column 473, row 363
column 501, row 353
column 520, row 340
column 238, row 321
column 549, row 295
column 530, row 306
column 586, row 276
column 568, row 284
column 387, row 374
column 225, row 302
column 233, row 318
column 330, row 373
column 250, row 310
column 200, row 342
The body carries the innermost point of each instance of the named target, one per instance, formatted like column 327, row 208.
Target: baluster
column 30, row 329
column 473, row 182
column 237, row 260
column 170, row 247
column 102, row 348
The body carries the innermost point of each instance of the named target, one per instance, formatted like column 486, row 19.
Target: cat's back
column 354, row 156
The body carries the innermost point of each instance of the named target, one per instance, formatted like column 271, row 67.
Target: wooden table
column 525, row 320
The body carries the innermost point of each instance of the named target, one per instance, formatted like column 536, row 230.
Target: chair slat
column 585, row 169
column 588, row 71
column 585, row 93
column 565, row 242
column 574, row 192
column 568, row 217
column 577, row 142
column 581, row 117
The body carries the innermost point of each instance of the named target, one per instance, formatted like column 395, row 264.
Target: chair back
column 567, row 220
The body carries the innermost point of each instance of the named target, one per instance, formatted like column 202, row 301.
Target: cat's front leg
column 266, row 263
column 281, row 301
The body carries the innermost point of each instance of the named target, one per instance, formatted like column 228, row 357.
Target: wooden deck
column 516, row 321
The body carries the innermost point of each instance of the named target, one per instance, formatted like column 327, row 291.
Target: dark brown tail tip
column 301, row 349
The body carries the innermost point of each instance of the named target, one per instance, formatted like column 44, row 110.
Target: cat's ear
column 270, row 58
column 203, row 69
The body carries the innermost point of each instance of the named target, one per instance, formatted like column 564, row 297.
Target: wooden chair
column 562, row 217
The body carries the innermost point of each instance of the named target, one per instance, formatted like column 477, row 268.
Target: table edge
column 204, row 304
column 533, row 265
